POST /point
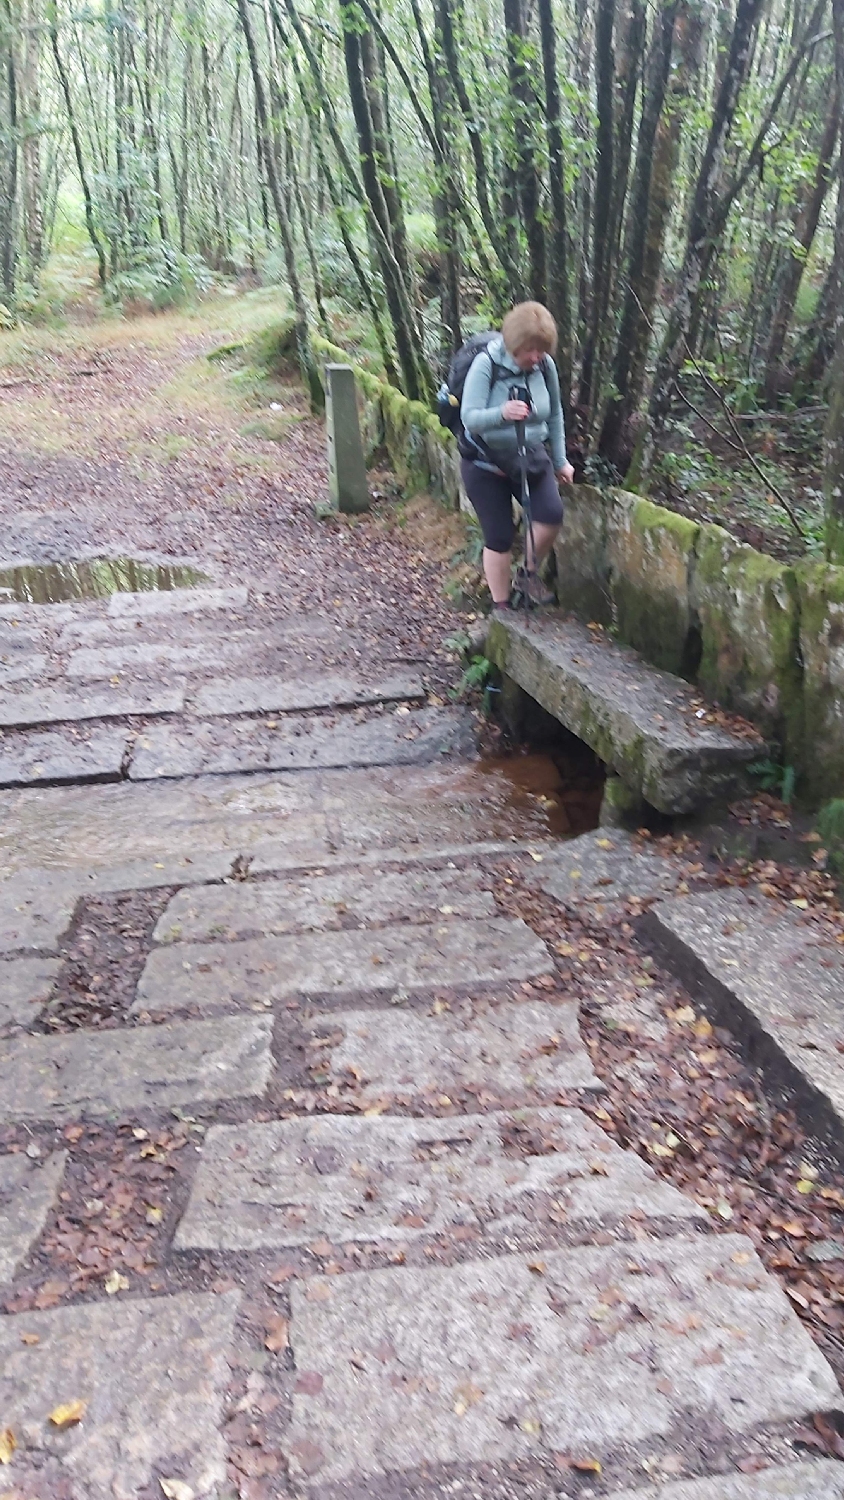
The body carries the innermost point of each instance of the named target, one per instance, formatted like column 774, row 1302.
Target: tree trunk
column 788, row 285
column 303, row 343
column 833, row 483
column 602, row 209
column 524, row 111
column 668, row 88
column 559, row 296
column 90, row 221
column 705, row 227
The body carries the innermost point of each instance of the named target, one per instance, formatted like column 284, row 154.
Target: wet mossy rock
column 274, row 349
column 830, row 826
column 748, row 614
column 581, row 555
column 821, row 601
column 650, row 552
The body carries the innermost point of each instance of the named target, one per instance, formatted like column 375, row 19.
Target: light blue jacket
column 483, row 398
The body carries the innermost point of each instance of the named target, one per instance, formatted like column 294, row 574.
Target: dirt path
column 123, row 438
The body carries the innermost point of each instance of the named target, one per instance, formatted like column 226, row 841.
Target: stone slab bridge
column 368, row 1237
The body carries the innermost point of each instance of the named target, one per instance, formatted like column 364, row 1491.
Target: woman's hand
column 565, row 475
column 515, row 411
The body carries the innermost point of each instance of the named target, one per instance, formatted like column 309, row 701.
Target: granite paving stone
column 25, row 987
column 605, row 866
column 52, row 755
column 21, row 668
column 816, row 1480
column 177, row 602
column 286, row 694
column 152, row 1374
column 36, row 909
column 141, row 658
column 28, row 1190
column 53, row 705
column 496, row 1360
column 300, row 743
column 646, row 724
column 454, row 952
column 318, row 903
column 394, row 1179
column 504, row 1051
column 765, row 959
column 81, row 1073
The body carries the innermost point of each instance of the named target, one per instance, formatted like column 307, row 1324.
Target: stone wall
column 422, row 454
column 762, row 637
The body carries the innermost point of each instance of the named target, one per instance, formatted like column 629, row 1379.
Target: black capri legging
column 492, row 498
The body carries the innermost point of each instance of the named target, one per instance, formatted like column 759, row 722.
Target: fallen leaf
column 30, row 1338
column 465, row 1396
column 537, row 1266
column 68, row 1415
column 115, row 1282
column 8, row 1444
column 587, row 1465
column 176, row 1489
column 801, row 902
column 604, row 843
column 276, row 1334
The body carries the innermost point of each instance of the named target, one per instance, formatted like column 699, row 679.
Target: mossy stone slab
column 581, row 554
column 821, row 596
column 747, row 609
column 650, row 552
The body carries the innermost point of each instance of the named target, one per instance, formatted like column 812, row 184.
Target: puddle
column 564, row 788
column 93, row 578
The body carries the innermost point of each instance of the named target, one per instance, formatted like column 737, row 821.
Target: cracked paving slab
column 452, row 952
column 318, row 903
column 492, row 1360
column 220, row 748
column 25, row 987
column 28, row 1191
column 285, row 695
column 151, row 1373
column 81, row 1073
column 393, row 1179
column 496, row 1050
column 51, row 705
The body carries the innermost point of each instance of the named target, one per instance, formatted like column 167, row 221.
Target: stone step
column 25, row 988
column 54, row 756
column 769, row 967
column 149, row 1067
column 319, row 903
column 36, row 909
column 58, row 705
column 518, row 1358
column 152, row 1374
column 176, row 602
column 286, row 695
column 394, row 1180
column 809, row 1481
column 605, row 866
column 496, row 1051
column 400, row 957
column 650, row 727
column 28, row 1192
column 301, row 744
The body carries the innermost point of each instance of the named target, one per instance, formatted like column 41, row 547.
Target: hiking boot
column 528, row 587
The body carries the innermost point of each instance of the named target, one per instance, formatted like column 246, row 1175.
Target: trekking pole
column 527, row 518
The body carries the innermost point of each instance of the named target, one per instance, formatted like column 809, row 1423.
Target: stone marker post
column 347, row 482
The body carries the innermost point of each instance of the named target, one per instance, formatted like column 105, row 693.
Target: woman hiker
column 489, row 458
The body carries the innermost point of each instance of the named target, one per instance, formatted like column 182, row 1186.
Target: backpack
column 450, row 393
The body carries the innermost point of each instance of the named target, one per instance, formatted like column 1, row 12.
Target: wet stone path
column 319, row 1204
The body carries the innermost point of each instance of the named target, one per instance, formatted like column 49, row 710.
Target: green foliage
column 776, row 778
column 830, row 826
column 157, row 280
